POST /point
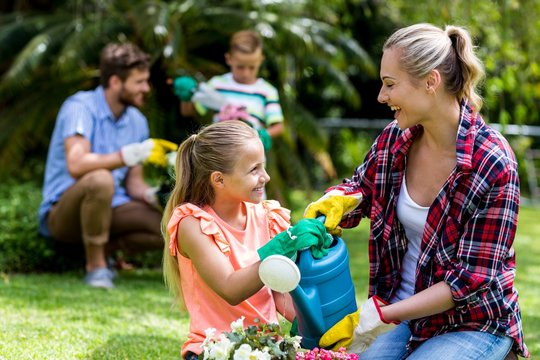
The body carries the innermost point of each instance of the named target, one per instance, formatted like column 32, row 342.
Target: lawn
column 55, row 316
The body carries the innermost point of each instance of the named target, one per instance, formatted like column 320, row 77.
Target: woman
column 442, row 191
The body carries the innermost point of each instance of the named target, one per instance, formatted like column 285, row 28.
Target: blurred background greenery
column 323, row 57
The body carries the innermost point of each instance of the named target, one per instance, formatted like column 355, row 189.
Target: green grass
column 55, row 316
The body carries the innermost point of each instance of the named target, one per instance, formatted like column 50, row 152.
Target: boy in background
column 244, row 95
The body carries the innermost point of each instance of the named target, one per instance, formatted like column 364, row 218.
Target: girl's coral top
column 206, row 308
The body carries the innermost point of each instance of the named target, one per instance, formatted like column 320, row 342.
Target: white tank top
column 413, row 218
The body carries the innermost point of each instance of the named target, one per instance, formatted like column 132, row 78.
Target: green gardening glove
column 265, row 139
column 307, row 233
column 184, row 87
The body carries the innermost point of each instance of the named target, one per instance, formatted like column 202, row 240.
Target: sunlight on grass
column 55, row 316
column 528, row 276
column 58, row 317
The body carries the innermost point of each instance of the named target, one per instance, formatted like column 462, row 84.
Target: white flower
column 238, row 325
column 243, row 353
column 261, row 355
column 220, row 350
column 296, row 341
column 209, row 334
column 208, row 342
column 206, row 352
column 171, row 159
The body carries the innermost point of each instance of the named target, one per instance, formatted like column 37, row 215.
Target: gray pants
column 84, row 214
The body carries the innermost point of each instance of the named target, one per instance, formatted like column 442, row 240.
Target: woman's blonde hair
column 426, row 47
column 215, row 148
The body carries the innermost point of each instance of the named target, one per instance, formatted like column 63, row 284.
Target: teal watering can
column 325, row 292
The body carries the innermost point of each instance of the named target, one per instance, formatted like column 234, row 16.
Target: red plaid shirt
column 468, row 236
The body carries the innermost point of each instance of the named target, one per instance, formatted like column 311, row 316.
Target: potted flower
column 261, row 341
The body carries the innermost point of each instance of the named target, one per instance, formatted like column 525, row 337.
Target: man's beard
column 127, row 98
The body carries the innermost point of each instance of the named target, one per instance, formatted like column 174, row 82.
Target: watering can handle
column 321, row 218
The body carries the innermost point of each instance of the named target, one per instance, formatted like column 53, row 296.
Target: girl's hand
column 305, row 234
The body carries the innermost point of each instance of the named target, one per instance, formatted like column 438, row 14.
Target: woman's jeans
column 459, row 345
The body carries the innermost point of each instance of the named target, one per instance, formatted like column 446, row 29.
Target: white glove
column 171, row 159
column 136, row 153
column 150, row 196
column 209, row 97
column 370, row 325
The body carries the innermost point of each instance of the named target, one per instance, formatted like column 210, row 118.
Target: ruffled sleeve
column 279, row 218
column 207, row 223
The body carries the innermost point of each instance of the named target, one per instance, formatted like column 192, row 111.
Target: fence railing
column 531, row 156
column 379, row 124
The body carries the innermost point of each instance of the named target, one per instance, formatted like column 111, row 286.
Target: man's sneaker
column 100, row 278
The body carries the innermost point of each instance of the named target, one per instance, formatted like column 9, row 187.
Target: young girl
column 217, row 229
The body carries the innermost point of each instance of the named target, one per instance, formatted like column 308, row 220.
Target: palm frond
column 28, row 121
column 305, row 128
column 338, row 79
column 226, row 20
column 33, row 57
column 290, row 169
column 151, row 22
column 16, row 31
column 79, row 54
column 304, row 52
column 8, row 18
column 332, row 42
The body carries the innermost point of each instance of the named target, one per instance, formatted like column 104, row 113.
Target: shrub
column 22, row 249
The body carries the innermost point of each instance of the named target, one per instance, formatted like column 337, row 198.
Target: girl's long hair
column 216, row 147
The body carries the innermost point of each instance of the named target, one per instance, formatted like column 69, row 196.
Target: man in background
column 94, row 191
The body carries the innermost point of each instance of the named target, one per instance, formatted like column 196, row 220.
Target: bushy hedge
column 22, row 249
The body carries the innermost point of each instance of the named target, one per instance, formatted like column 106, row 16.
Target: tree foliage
column 507, row 35
column 56, row 54
column 322, row 56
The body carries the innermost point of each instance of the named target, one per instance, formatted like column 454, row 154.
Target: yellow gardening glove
column 358, row 330
column 342, row 333
column 161, row 148
column 333, row 205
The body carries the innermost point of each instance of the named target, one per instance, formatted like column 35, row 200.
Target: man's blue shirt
column 87, row 114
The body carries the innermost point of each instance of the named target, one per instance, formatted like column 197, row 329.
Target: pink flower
column 323, row 354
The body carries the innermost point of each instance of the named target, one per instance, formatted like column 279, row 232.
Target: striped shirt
column 469, row 232
column 87, row 113
column 261, row 99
